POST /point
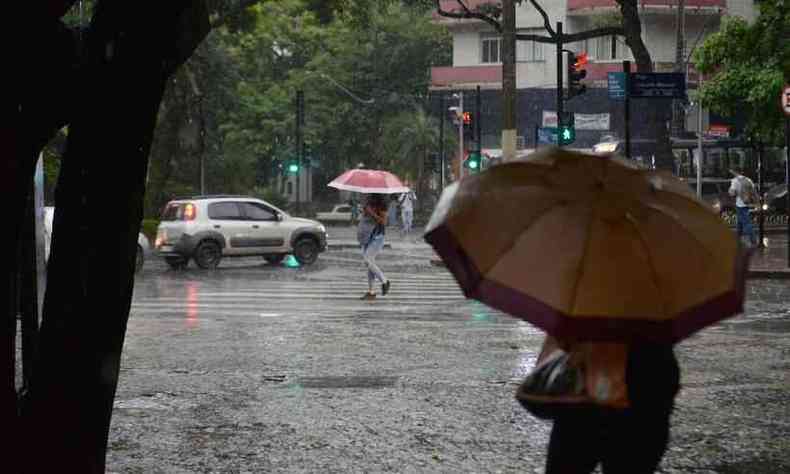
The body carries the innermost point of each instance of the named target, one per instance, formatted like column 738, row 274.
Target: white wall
column 743, row 8
column 466, row 48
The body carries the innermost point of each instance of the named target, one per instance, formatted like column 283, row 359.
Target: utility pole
column 559, row 81
column 678, row 115
column 509, row 120
column 700, row 151
column 299, row 142
column 627, row 107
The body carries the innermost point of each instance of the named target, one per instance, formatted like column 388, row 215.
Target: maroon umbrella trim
column 592, row 328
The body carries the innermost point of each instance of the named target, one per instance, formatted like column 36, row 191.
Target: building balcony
column 466, row 77
column 595, row 7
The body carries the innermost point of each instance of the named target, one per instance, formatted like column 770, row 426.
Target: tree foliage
column 745, row 67
column 361, row 65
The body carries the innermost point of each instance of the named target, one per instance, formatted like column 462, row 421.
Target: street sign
column 616, row 81
column 658, row 85
column 786, row 100
column 547, row 135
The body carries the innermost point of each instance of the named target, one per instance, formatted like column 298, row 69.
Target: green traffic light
column 473, row 164
column 566, row 134
column 293, row 168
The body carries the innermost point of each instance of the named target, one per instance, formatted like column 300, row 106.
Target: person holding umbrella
column 376, row 184
column 370, row 235
column 617, row 264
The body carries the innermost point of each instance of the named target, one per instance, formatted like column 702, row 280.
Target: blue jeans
column 369, row 253
column 744, row 224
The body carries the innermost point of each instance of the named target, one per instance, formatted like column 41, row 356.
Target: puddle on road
column 347, row 382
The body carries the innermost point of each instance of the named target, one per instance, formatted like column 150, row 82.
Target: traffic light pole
column 559, row 81
column 627, row 106
column 477, row 127
column 442, row 111
column 461, row 134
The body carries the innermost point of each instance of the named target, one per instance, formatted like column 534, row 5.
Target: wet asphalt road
column 260, row 368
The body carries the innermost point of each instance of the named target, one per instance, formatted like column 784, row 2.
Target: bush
column 149, row 228
column 272, row 196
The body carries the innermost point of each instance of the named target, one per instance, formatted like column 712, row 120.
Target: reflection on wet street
column 262, row 368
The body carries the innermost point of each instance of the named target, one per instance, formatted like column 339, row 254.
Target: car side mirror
column 280, row 217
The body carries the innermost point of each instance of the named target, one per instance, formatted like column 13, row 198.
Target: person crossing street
column 406, row 202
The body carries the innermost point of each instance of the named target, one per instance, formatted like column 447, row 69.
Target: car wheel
column 306, row 251
column 139, row 260
column 176, row 263
column 208, row 254
column 274, row 259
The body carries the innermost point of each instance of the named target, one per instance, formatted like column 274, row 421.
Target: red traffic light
column 467, row 118
column 581, row 60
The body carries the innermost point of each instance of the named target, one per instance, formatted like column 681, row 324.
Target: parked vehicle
column 209, row 228
column 143, row 246
column 340, row 214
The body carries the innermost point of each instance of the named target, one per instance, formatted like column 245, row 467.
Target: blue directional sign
column 658, row 85
column 616, row 81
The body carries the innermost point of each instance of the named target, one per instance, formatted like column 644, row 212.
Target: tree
column 745, row 67
column 106, row 86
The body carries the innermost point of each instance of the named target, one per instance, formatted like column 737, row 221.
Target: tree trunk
column 100, row 198
column 509, row 119
column 656, row 127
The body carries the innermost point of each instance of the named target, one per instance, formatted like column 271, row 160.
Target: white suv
column 207, row 228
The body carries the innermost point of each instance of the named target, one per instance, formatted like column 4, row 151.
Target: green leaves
column 745, row 67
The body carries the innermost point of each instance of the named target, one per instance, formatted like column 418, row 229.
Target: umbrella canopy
column 590, row 247
column 369, row 181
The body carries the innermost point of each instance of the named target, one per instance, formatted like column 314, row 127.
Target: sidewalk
column 771, row 261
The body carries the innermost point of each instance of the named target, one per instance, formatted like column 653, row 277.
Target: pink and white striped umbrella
column 369, row 181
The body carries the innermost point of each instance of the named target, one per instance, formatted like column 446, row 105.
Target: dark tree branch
column 468, row 14
column 551, row 39
column 546, row 22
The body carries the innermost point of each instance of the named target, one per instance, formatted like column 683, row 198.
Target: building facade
column 477, row 61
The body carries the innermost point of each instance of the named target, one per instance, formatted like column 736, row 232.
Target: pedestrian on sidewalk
column 392, row 211
column 745, row 198
column 406, row 202
column 629, row 440
column 370, row 235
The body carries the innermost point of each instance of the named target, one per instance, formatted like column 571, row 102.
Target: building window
column 606, row 48
column 491, row 46
column 530, row 50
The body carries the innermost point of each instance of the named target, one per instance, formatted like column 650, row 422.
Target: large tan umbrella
column 590, row 247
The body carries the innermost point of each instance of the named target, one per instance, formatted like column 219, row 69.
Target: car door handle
column 256, row 227
column 217, row 226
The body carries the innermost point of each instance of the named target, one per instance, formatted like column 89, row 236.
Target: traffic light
column 473, row 161
column 469, row 125
column 293, row 167
column 566, row 134
column 576, row 73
